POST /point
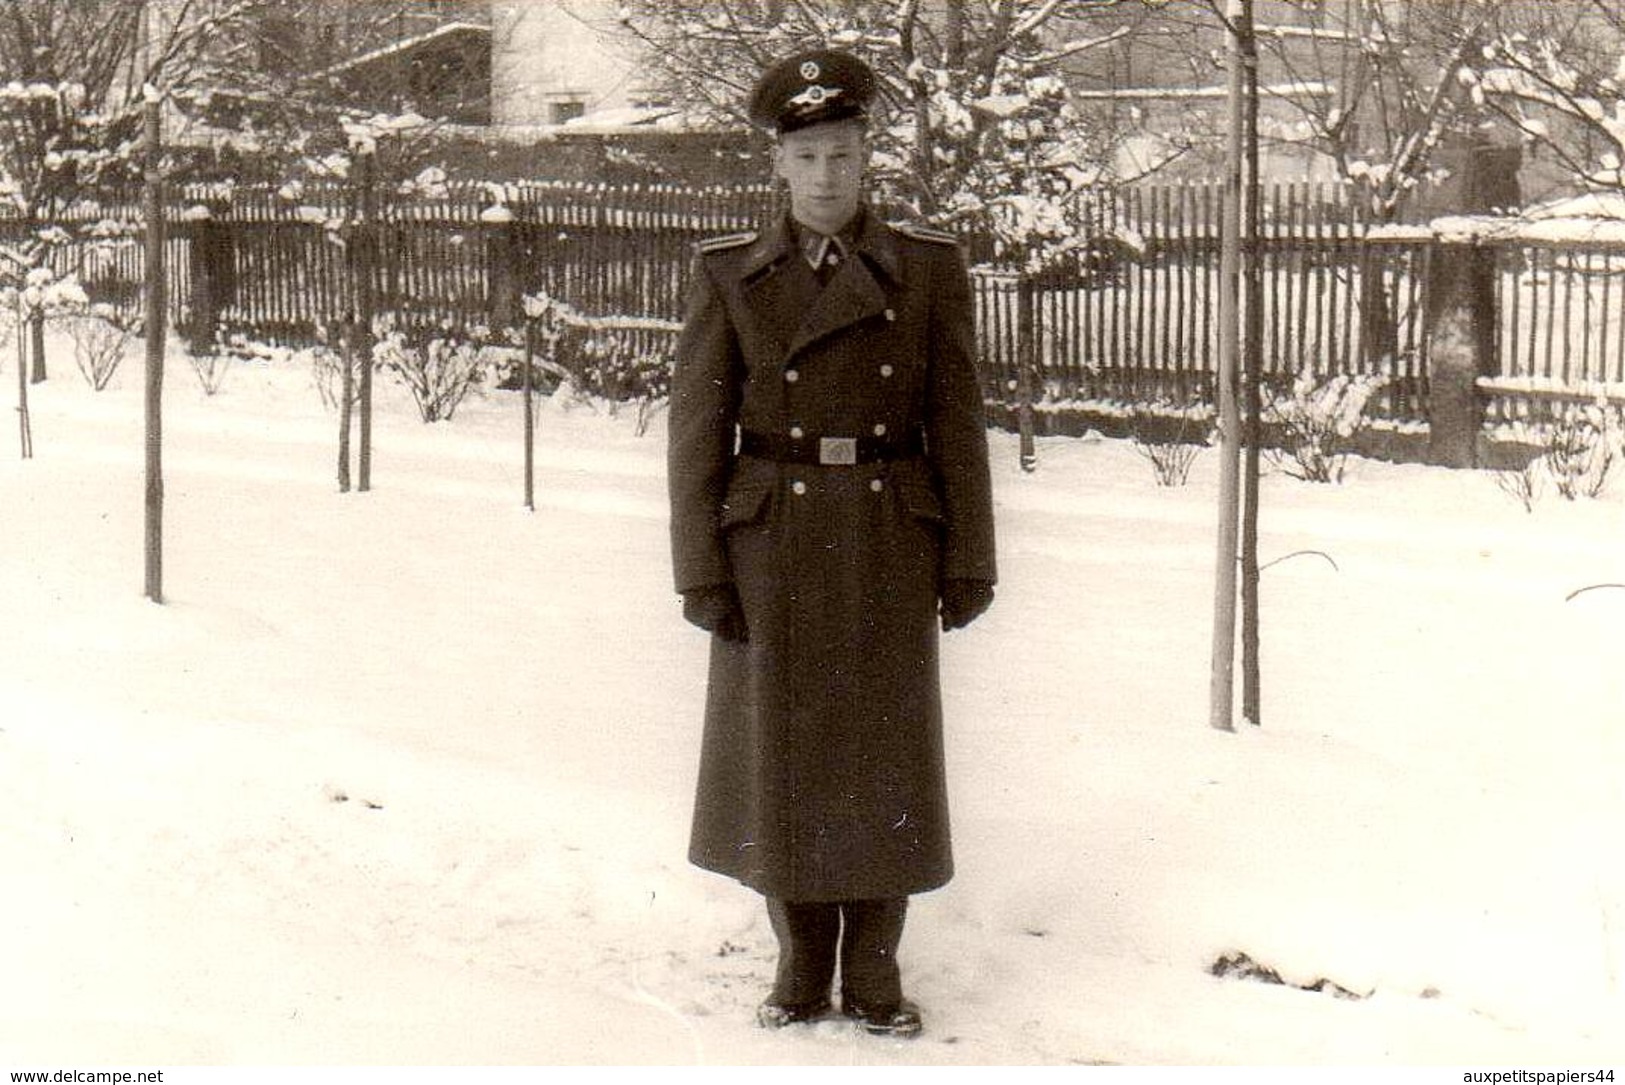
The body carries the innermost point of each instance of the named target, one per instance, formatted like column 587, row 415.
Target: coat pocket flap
column 744, row 505
column 920, row 501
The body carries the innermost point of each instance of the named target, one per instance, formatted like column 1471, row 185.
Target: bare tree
column 975, row 123
column 71, row 73
column 1555, row 72
column 1373, row 86
column 1376, row 88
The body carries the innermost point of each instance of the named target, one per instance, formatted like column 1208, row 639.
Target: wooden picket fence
column 1132, row 316
column 1127, row 315
column 1561, row 330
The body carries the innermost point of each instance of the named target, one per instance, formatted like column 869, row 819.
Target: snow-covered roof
column 407, row 45
column 1563, row 222
column 610, row 122
column 1590, row 205
column 1296, row 88
column 628, row 117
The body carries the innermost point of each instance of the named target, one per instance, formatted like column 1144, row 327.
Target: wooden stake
column 347, row 353
column 530, row 415
column 1222, row 684
column 1252, row 364
column 366, row 304
column 156, row 299
column 25, row 429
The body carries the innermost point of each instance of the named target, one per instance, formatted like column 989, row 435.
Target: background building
column 552, row 63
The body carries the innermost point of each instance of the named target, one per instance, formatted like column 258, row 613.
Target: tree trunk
column 923, row 164
column 954, row 35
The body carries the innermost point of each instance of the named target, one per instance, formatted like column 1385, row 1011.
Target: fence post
column 1026, row 362
column 209, row 257
column 365, row 253
column 1460, row 332
column 501, row 271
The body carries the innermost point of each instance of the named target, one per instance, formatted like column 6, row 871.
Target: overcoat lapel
column 784, row 296
column 851, row 296
column 776, row 290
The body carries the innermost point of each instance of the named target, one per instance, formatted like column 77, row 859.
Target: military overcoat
column 821, row 773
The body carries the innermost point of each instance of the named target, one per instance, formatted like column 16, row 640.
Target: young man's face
column 823, row 165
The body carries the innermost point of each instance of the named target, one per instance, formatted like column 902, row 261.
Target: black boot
column 772, row 1014
column 808, row 933
column 900, row 1019
column 871, row 983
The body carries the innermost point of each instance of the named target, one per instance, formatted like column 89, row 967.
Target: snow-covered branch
column 1081, row 45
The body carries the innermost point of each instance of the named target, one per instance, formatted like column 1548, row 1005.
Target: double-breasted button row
column 797, row 433
column 798, row 487
column 793, row 375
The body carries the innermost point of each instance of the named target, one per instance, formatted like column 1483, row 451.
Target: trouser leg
column 869, row 972
column 808, row 933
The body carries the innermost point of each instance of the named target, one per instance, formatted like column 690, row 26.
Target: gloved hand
column 716, row 608
column 963, row 601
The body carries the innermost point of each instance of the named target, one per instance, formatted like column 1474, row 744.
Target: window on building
column 565, row 110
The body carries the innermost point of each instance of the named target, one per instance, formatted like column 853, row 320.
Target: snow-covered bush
column 1170, row 436
column 100, row 339
column 41, row 292
column 624, row 361
column 326, row 372
column 546, row 317
column 1580, row 446
column 613, row 359
column 439, row 368
column 1575, row 449
column 211, row 368
column 1318, row 420
column 1524, row 482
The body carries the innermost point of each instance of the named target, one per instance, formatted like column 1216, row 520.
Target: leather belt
column 831, row 451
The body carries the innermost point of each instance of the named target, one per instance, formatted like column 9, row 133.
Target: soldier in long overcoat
column 831, row 505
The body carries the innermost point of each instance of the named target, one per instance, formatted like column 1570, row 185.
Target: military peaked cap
column 811, row 88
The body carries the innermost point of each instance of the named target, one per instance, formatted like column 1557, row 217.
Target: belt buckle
column 838, row 451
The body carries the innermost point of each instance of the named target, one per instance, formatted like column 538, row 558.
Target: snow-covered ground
column 404, row 777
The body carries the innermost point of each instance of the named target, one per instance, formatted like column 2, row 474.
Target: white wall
column 546, row 50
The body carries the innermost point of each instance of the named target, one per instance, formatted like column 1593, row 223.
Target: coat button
column 891, row 314
column 798, row 487
column 796, row 433
column 886, row 370
column 876, row 485
column 792, row 375
column 880, row 429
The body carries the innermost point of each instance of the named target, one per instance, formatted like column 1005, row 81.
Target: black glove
column 716, row 608
column 963, row 602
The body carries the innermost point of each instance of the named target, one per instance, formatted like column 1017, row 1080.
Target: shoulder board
column 728, row 241
column 921, row 232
